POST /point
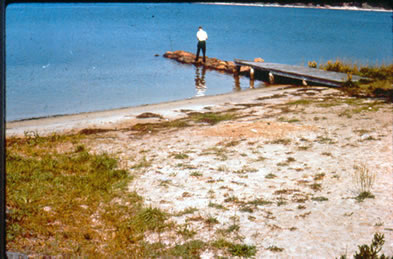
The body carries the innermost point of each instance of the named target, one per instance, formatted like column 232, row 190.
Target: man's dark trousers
column 201, row 45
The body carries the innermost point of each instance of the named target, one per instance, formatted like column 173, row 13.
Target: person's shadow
column 200, row 83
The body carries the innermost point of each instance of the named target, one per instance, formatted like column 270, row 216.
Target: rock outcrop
column 211, row 63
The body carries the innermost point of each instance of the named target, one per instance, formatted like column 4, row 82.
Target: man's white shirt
column 201, row 35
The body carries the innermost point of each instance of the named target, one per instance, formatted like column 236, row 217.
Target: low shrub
column 371, row 251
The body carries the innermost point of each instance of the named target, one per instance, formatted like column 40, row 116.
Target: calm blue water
column 72, row 58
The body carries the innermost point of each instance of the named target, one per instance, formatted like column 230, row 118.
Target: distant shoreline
column 311, row 6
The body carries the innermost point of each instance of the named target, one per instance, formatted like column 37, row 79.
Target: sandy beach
column 280, row 175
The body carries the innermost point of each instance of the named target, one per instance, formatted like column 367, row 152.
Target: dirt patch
column 266, row 129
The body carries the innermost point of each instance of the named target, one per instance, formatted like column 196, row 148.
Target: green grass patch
column 270, row 176
column 275, row 249
column 283, row 141
column 217, row 206
column 180, row 156
column 145, row 128
column 185, row 231
column 196, row 174
column 143, row 163
column 316, row 186
column 63, row 199
column 211, row 220
column 240, row 250
column 221, row 153
column 189, row 210
column 320, row 198
column 210, row 117
column 289, row 120
column 190, row 249
column 259, row 202
column 364, row 195
column 53, row 196
column 301, row 102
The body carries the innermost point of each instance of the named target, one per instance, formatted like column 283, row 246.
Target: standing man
column 202, row 37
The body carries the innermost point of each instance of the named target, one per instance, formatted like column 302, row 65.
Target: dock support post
column 236, row 76
column 237, row 71
column 252, row 73
column 271, row 78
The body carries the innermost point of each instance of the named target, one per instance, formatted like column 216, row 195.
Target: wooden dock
column 305, row 74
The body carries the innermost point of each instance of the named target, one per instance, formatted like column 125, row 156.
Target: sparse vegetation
column 289, row 120
column 189, row 210
column 144, row 163
column 281, row 141
column 371, row 251
column 190, row 249
column 146, row 115
column 210, row 117
column 316, row 186
column 241, row 250
column 196, row 174
column 270, row 176
column 320, row 198
column 217, row 206
column 38, row 173
column 211, row 220
column 180, row 156
column 185, row 231
column 381, row 78
column 364, row 195
column 300, row 102
column 275, row 249
column 319, row 176
column 364, row 181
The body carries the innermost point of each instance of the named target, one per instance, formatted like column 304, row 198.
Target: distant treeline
column 386, row 4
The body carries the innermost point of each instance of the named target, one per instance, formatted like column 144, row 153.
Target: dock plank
column 301, row 73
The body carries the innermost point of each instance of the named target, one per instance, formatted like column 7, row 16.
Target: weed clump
column 364, row 195
column 364, row 181
column 241, row 250
column 210, row 117
column 190, row 249
column 320, row 198
column 149, row 219
column 146, row 115
column 275, row 249
column 370, row 251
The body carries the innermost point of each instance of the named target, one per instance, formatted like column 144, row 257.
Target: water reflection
column 200, row 83
column 237, row 87
column 237, row 83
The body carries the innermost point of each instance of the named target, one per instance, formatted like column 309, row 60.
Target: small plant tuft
column 371, row 251
column 364, row 195
column 363, row 178
column 275, row 249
